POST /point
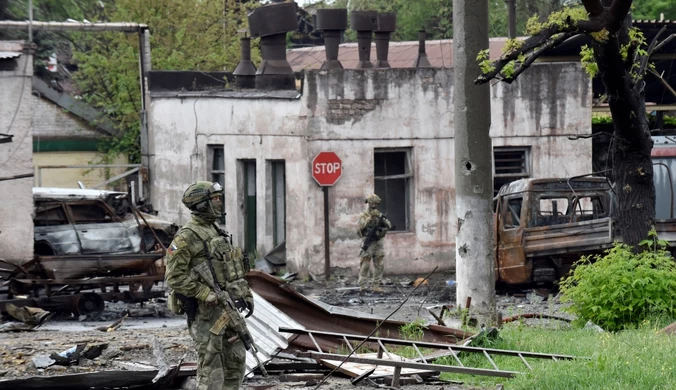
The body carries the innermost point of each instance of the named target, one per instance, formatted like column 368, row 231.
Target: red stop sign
column 327, row 168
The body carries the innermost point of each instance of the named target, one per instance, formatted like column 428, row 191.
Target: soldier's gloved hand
column 211, row 298
column 250, row 306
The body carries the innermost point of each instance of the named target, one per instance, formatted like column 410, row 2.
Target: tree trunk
column 632, row 165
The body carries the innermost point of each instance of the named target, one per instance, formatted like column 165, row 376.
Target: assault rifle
column 371, row 235
column 231, row 313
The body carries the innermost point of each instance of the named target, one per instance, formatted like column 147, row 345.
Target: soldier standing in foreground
column 373, row 226
column 213, row 326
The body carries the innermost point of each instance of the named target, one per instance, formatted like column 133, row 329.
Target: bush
column 621, row 288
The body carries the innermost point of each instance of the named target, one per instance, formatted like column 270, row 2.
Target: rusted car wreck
column 542, row 226
column 88, row 239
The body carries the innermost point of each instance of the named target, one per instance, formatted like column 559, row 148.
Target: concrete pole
column 511, row 12
column 475, row 255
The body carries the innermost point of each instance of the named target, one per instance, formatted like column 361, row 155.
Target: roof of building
column 401, row 54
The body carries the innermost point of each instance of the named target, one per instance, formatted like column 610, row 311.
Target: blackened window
column 217, row 170
column 393, row 177
column 510, row 164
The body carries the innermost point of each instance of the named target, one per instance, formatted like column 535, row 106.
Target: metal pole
column 30, row 20
column 327, row 258
column 511, row 12
column 475, row 255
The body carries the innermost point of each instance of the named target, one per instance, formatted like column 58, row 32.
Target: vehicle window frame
column 108, row 210
column 48, row 206
column 509, row 209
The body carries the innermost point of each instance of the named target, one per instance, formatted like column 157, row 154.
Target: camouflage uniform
column 221, row 364
column 375, row 251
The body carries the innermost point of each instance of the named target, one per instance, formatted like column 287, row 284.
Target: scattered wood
column 134, row 347
column 533, row 315
column 114, row 326
column 301, row 377
column 438, row 318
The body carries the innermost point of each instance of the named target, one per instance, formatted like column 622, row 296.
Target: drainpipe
column 364, row 22
column 332, row 23
column 387, row 23
column 245, row 72
column 422, row 61
column 271, row 23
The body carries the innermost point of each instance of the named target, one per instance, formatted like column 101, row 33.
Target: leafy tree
column 185, row 35
column 619, row 55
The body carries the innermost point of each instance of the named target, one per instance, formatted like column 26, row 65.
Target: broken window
column 587, row 208
column 393, row 176
column 89, row 213
column 216, row 172
column 512, row 213
column 510, row 164
column 552, row 211
column 50, row 215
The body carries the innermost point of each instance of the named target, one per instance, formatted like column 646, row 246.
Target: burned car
column 91, row 222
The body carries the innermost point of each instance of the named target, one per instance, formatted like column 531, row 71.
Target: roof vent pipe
column 422, row 61
column 387, row 23
column 245, row 73
column 271, row 23
column 364, row 22
column 332, row 23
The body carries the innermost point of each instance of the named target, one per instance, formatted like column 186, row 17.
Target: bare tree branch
column 661, row 45
column 643, row 61
column 666, row 84
column 594, row 8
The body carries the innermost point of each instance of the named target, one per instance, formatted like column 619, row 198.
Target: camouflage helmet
column 199, row 192
column 373, row 199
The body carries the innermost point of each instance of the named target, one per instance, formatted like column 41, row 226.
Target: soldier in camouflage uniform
column 221, row 362
column 375, row 251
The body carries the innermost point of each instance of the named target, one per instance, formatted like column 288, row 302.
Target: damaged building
column 391, row 128
column 16, row 147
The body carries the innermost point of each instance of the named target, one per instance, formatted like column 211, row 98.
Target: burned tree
column 620, row 57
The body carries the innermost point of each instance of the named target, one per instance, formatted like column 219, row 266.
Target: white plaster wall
column 406, row 108
column 16, row 113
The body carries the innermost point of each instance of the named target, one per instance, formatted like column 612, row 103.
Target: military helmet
column 373, row 199
column 199, row 192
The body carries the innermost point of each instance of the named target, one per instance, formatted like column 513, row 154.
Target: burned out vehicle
column 542, row 226
column 74, row 224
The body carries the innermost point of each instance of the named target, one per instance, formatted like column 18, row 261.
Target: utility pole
column 511, row 12
column 475, row 254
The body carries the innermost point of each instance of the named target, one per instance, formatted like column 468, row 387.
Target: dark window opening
column 510, row 164
column 217, row 172
column 89, row 213
column 393, row 177
column 50, row 216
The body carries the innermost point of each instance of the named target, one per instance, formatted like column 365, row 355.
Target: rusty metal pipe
column 245, row 72
column 387, row 23
column 364, row 22
column 332, row 23
column 422, row 61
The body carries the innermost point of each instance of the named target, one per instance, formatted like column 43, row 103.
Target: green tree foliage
column 185, row 35
column 622, row 288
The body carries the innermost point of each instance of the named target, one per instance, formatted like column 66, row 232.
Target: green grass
column 632, row 359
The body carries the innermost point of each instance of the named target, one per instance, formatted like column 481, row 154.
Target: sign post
column 326, row 170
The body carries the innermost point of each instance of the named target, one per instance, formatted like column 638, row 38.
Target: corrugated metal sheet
column 264, row 325
column 4, row 55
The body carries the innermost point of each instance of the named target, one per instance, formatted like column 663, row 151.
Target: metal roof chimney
column 332, row 23
column 387, row 23
column 422, row 61
column 245, row 73
column 271, row 23
column 364, row 22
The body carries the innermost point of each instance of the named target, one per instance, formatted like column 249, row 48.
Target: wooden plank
column 357, row 369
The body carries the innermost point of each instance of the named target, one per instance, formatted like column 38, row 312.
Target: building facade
column 16, row 158
column 392, row 129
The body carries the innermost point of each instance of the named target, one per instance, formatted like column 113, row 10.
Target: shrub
column 621, row 288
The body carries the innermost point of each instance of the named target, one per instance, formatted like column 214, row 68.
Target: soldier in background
column 374, row 224
column 221, row 355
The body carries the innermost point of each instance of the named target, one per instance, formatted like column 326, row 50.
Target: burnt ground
column 130, row 346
